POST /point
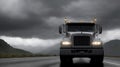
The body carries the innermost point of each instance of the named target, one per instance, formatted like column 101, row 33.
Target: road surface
column 54, row 62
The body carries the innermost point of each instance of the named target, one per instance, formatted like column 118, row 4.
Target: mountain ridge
column 6, row 50
column 112, row 48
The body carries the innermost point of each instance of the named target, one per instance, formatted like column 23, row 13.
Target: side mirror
column 100, row 29
column 60, row 29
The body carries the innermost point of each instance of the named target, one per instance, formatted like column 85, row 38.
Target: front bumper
column 82, row 51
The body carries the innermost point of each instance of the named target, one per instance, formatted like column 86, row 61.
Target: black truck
column 80, row 39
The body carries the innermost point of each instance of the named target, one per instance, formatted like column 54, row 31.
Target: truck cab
column 80, row 39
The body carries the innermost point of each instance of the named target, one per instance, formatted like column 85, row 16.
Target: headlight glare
column 96, row 43
column 66, row 43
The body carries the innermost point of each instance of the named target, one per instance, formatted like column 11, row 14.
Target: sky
column 23, row 21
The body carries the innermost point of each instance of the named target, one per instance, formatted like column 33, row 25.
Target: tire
column 97, row 60
column 66, row 60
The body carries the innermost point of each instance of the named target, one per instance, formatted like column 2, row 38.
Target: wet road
column 54, row 62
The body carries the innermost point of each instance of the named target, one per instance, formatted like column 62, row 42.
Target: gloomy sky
column 41, row 18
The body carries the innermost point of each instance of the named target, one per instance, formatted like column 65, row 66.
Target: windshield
column 80, row 27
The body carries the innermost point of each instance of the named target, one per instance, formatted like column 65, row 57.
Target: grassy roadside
column 113, row 56
column 23, row 55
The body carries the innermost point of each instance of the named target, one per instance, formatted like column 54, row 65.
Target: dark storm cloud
column 19, row 17
column 28, row 17
column 111, row 20
column 18, row 12
column 7, row 24
column 107, row 11
column 111, row 14
column 41, row 18
column 56, row 7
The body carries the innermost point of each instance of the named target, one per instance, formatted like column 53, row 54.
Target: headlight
column 66, row 43
column 96, row 43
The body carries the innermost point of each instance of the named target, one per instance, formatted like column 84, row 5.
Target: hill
column 112, row 48
column 7, row 51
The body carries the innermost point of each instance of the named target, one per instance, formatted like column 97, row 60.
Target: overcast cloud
column 41, row 18
column 34, row 45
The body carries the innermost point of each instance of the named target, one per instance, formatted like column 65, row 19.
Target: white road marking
column 108, row 62
column 116, row 64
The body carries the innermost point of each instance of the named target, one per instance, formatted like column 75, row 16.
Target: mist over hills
column 111, row 48
column 7, row 50
column 53, row 50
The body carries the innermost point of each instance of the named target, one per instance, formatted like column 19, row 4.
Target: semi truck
column 81, row 40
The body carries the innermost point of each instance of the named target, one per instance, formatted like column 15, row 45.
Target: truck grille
column 81, row 40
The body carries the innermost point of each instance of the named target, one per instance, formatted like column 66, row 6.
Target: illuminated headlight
column 96, row 43
column 66, row 43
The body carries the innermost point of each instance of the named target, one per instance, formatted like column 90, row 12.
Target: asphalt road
column 54, row 62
